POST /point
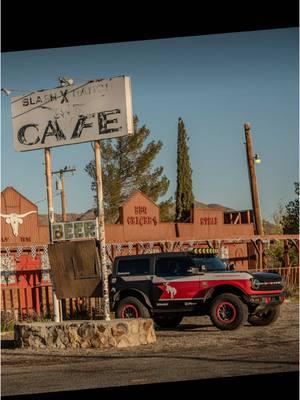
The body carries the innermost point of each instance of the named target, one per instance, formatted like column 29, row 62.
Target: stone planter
column 118, row 333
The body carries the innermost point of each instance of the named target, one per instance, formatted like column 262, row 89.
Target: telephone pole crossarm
column 61, row 174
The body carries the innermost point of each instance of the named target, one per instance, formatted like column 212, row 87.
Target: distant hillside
column 198, row 204
column 43, row 218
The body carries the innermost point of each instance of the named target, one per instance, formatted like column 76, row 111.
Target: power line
column 40, row 201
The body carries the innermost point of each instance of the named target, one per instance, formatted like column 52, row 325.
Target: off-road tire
column 168, row 321
column 267, row 318
column 228, row 312
column 131, row 307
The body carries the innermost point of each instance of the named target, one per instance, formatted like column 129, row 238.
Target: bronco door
column 173, row 282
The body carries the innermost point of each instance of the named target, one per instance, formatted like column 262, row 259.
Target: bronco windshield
column 211, row 262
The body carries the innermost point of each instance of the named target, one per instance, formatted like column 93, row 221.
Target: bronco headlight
column 255, row 284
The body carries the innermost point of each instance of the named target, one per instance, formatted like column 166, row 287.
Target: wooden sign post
column 48, row 168
column 101, row 229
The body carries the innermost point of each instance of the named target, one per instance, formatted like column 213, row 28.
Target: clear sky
column 215, row 83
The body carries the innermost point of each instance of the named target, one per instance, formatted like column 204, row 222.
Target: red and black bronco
column 169, row 286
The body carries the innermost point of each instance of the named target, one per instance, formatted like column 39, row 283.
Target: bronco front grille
column 268, row 286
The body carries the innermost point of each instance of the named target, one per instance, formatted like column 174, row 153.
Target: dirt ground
column 196, row 350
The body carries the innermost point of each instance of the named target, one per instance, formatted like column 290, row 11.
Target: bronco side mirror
column 193, row 270
column 230, row 267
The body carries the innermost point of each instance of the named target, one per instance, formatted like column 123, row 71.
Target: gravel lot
column 196, row 350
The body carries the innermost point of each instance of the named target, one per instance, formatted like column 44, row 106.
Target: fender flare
column 208, row 294
column 231, row 289
column 117, row 296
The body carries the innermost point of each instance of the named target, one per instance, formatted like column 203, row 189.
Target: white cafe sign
column 98, row 109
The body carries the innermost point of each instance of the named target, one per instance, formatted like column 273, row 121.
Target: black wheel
column 167, row 321
column 228, row 312
column 131, row 307
column 264, row 318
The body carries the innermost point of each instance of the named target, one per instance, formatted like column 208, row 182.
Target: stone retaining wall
column 85, row 334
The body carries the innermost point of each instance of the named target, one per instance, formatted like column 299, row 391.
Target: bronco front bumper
column 267, row 299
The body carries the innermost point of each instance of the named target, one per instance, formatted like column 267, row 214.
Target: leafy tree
column 290, row 217
column 127, row 166
column 271, row 228
column 184, row 190
column 274, row 255
column 274, row 252
column 286, row 220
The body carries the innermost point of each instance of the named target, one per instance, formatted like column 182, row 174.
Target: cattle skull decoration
column 15, row 219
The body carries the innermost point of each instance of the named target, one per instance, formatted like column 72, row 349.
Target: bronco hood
column 267, row 276
column 267, row 280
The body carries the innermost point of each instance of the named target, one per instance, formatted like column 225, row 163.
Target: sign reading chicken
column 97, row 109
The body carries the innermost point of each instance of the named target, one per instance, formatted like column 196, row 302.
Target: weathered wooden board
column 75, row 268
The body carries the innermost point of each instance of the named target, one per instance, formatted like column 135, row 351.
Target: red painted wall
column 139, row 222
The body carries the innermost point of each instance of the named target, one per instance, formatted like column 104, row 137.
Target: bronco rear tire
column 168, row 321
column 265, row 318
column 131, row 307
column 228, row 312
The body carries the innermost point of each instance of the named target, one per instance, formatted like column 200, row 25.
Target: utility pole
column 254, row 195
column 253, row 182
column 61, row 173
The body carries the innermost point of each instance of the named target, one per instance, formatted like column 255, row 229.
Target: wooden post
column 63, row 303
column 253, row 181
column 37, row 295
column 56, row 305
column 248, row 217
column 4, row 299
column 19, row 304
column 260, row 255
column 286, row 254
column 101, row 229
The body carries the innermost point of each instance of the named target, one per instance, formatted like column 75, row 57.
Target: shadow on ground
column 8, row 344
column 185, row 327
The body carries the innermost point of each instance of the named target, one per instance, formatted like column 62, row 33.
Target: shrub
column 7, row 321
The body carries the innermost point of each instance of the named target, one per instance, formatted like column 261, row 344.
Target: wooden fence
column 38, row 304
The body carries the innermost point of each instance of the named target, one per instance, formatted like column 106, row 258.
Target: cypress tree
column 184, row 190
